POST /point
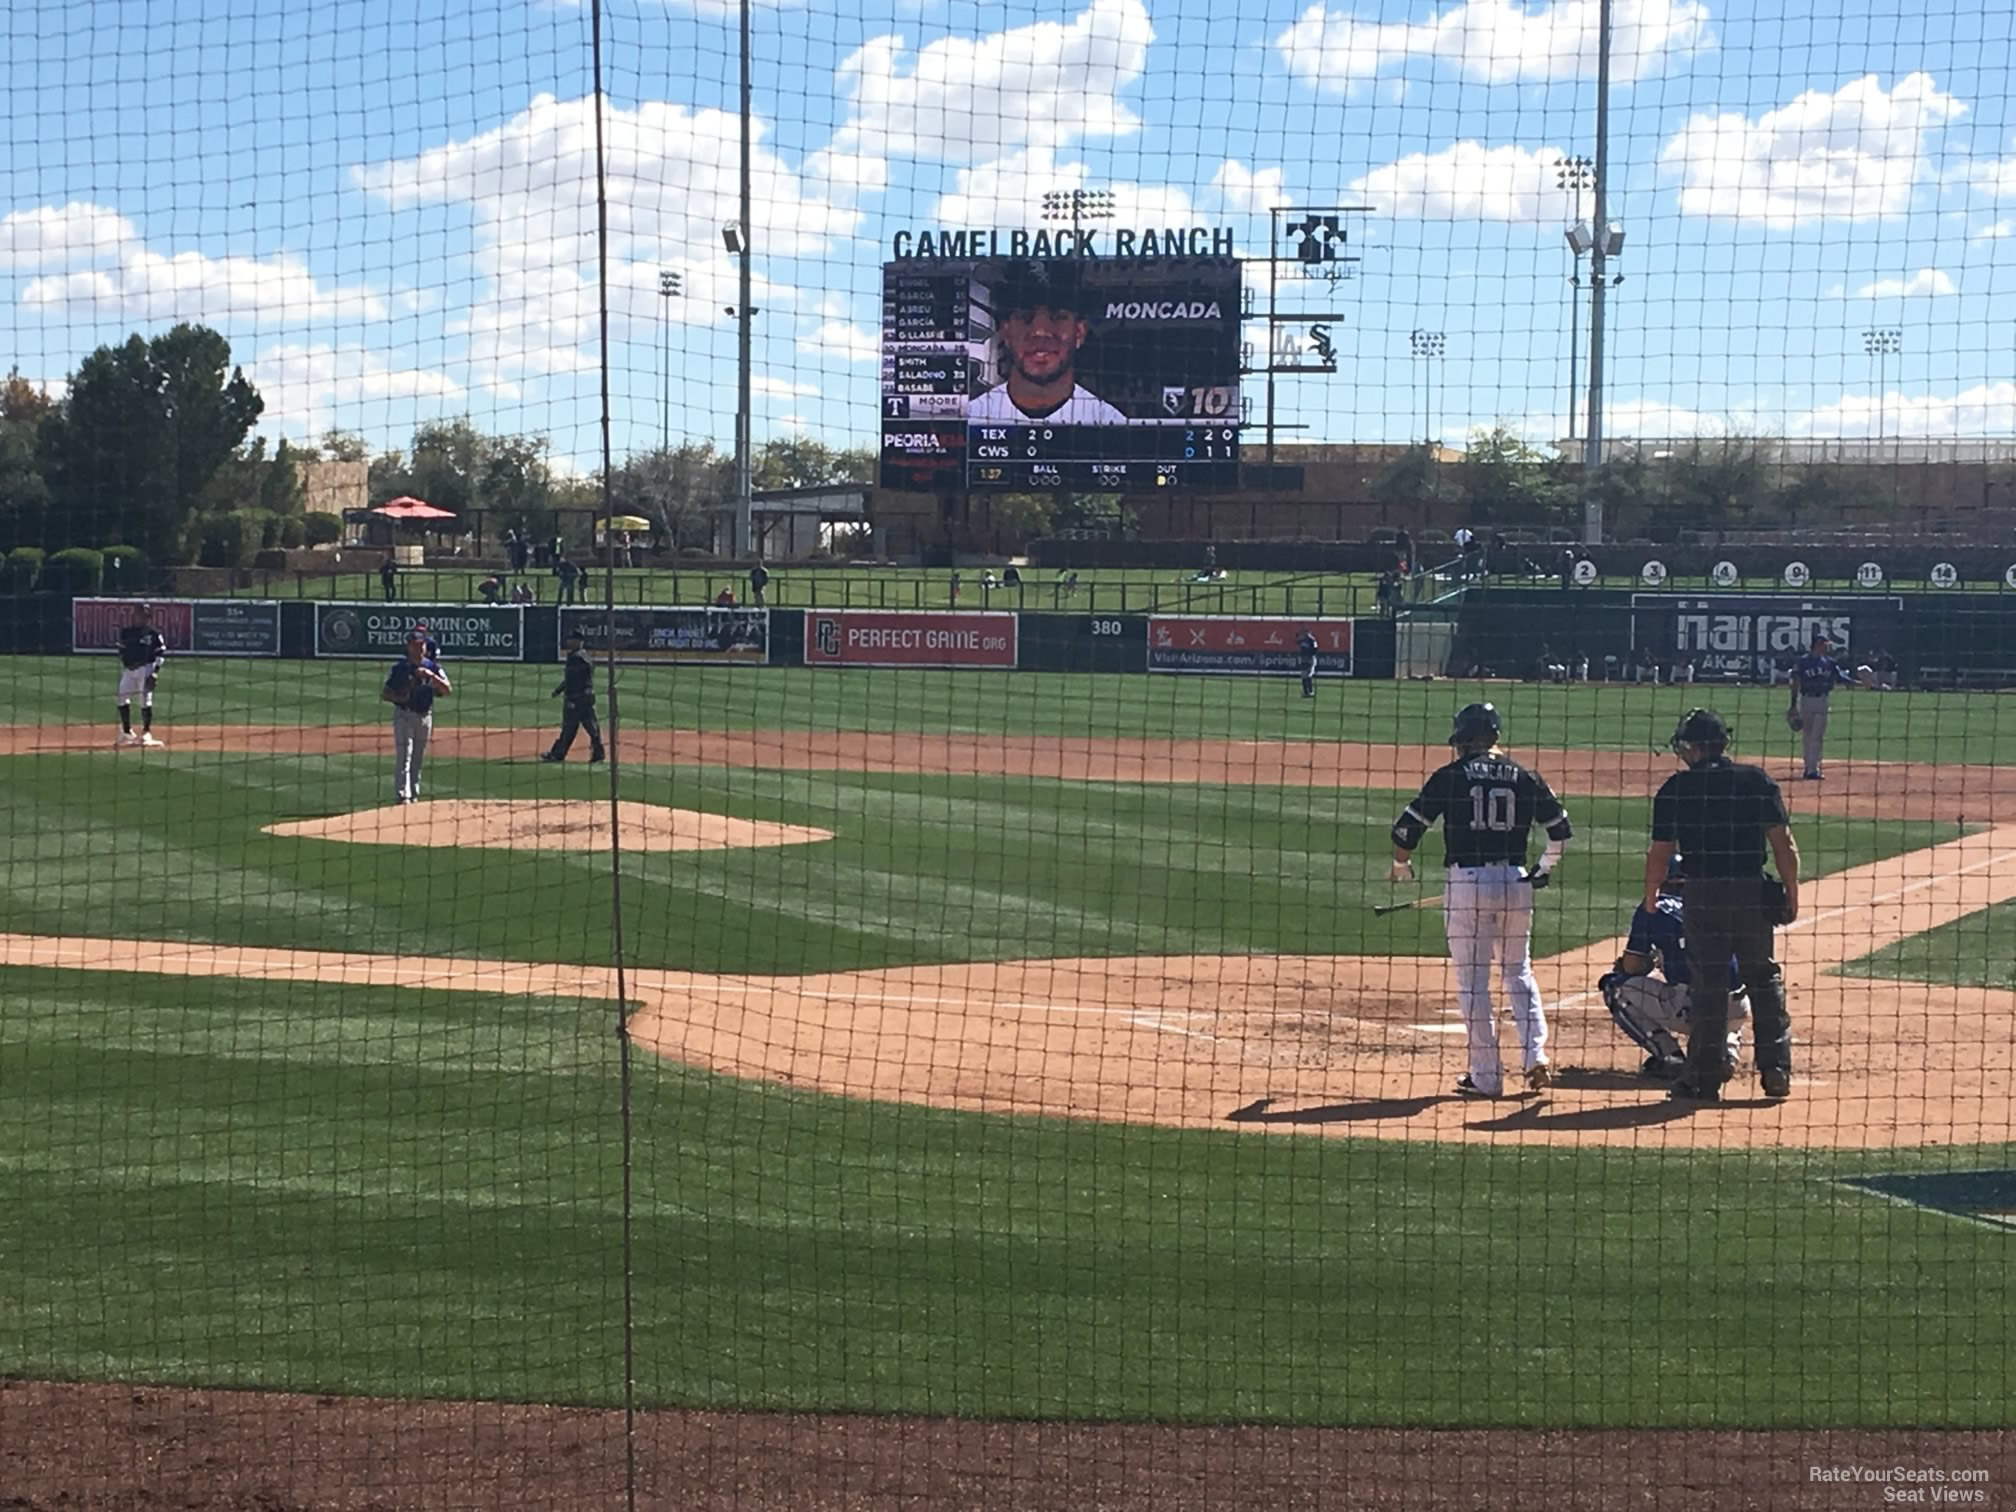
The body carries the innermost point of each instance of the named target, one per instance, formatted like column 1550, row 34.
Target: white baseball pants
column 410, row 732
column 133, row 680
column 1487, row 912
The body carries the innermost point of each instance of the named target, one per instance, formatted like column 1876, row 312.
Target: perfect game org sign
column 193, row 627
column 702, row 633
column 1034, row 360
column 924, row 638
column 465, row 632
column 1258, row 646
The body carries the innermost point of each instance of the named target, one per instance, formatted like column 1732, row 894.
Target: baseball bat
column 1389, row 908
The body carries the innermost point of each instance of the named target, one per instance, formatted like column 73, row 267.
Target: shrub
column 322, row 529
column 24, row 566
column 293, row 531
column 124, row 567
column 74, row 570
column 271, row 558
column 232, row 538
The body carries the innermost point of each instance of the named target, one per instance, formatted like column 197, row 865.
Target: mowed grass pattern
column 351, row 1189
column 413, row 1192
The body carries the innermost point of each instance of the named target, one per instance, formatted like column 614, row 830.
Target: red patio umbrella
column 408, row 508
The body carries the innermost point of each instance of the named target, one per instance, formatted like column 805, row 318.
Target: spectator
column 1387, row 595
column 759, row 579
column 955, row 587
column 523, row 593
column 987, row 580
column 1646, row 667
column 388, row 574
column 492, row 589
column 1463, row 538
column 569, row 576
column 1011, row 579
column 725, row 599
column 1547, row 667
column 1071, row 586
column 1403, row 546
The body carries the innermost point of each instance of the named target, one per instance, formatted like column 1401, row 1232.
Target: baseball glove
column 1793, row 721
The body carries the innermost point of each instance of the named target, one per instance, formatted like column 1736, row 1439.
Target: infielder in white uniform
column 1488, row 804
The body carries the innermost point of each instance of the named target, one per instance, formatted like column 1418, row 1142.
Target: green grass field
column 362, row 1189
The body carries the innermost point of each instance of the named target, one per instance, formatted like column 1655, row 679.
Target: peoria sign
column 1126, row 241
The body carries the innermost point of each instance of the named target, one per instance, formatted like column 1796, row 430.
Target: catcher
column 1652, row 1010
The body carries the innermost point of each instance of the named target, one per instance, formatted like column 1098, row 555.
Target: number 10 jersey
column 1488, row 805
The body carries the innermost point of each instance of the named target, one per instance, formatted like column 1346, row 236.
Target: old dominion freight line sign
column 464, row 631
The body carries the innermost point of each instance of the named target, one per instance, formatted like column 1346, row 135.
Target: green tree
column 345, row 446
column 280, row 490
column 803, row 462
column 1507, row 482
column 674, row 486
column 21, row 401
column 24, row 495
column 1714, row 484
column 1416, row 477
column 142, row 431
column 513, row 478
column 1822, row 495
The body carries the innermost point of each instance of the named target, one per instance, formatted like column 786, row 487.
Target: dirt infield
column 545, row 824
column 1868, row 789
column 114, row 1448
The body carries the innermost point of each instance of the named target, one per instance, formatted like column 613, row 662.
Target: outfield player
column 1305, row 652
column 1652, row 1009
column 1814, row 676
column 142, row 653
column 411, row 687
column 1488, row 804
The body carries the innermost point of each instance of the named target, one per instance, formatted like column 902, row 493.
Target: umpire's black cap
column 1475, row 725
column 1701, row 727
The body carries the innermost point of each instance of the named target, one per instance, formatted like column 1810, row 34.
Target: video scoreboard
column 1031, row 374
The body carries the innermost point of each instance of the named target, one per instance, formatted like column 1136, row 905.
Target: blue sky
column 390, row 210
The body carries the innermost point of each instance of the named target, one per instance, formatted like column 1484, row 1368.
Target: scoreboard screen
column 1094, row 373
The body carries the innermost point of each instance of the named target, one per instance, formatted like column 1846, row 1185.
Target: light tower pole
column 1575, row 174
column 1881, row 343
column 668, row 290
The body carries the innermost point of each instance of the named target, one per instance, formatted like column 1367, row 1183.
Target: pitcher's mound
column 546, row 824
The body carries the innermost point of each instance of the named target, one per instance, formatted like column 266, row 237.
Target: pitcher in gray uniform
column 1814, row 676
column 411, row 687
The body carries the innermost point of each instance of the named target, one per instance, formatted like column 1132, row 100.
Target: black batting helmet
column 1700, row 727
column 1474, row 725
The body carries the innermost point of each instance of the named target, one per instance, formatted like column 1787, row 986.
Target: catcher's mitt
column 1793, row 721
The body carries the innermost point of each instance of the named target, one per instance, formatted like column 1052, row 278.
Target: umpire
column 1721, row 815
column 577, row 712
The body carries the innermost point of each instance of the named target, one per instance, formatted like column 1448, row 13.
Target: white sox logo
column 826, row 636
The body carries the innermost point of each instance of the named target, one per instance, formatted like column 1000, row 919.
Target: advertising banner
column 1250, row 646
column 919, row 638
column 192, row 627
column 669, row 633
column 1725, row 635
column 466, row 632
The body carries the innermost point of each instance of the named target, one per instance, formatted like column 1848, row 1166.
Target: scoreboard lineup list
column 937, row 333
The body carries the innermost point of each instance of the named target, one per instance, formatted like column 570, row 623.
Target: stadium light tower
column 668, row 290
column 1428, row 346
column 1881, row 344
column 1574, row 174
column 1078, row 205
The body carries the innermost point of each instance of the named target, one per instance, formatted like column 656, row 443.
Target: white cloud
column 1999, row 229
column 1495, row 41
column 672, row 182
column 842, row 339
column 192, row 286
column 1469, row 181
column 1656, row 420
column 1252, row 190
column 975, row 99
column 1987, row 409
column 1851, row 155
column 1008, row 191
column 782, row 388
column 94, row 264
column 1924, row 281
column 63, row 236
column 308, row 389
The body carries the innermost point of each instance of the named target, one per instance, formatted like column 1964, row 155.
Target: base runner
column 1488, row 804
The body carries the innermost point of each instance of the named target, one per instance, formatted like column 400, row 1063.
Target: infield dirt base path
column 1368, row 1046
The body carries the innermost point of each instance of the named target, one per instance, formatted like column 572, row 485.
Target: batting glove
column 1534, row 877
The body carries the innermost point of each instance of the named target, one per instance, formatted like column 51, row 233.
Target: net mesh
column 911, row 961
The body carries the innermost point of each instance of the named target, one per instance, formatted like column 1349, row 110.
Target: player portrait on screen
column 1037, row 315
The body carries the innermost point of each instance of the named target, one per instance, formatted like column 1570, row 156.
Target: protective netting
column 803, row 757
